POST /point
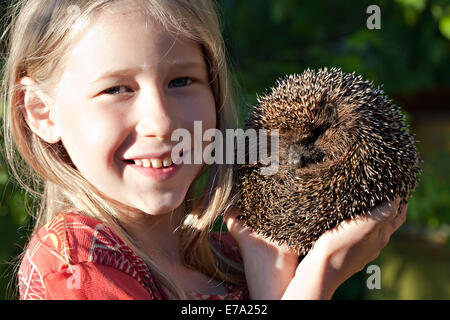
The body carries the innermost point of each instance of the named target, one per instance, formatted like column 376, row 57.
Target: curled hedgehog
column 343, row 150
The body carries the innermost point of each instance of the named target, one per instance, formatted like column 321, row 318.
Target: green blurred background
column 409, row 55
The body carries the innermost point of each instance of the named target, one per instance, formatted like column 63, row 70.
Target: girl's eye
column 117, row 90
column 180, row 82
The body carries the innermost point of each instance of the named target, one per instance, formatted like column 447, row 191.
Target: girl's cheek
column 208, row 113
column 95, row 133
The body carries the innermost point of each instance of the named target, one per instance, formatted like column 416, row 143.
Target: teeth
column 146, row 163
column 154, row 163
column 167, row 162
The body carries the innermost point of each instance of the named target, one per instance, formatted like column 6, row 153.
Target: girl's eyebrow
column 128, row 72
column 115, row 74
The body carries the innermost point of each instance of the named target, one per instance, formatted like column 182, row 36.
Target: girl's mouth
column 156, row 163
column 158, row 169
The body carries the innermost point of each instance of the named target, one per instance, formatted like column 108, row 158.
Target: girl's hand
column 272, row 271
column 341, row 252
column 269, row 268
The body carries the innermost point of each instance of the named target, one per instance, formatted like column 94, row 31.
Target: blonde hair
column 40, row 34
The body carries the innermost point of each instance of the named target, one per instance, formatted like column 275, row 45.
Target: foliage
column 14, row 223
column 430, row 204
column 268, row 39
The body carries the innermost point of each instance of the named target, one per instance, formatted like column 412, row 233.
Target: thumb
column 384, row 213
column 234, row 225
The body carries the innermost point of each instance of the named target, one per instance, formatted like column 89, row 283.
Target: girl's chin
column 161, row 209
column 156, row 212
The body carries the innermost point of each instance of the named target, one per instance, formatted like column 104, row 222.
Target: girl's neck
column 158, row 235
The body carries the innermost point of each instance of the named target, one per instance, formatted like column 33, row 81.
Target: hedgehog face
column 299, row 152
column 343, row 150
column 310, row 143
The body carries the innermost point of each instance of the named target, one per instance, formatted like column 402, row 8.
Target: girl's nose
column 155, row 117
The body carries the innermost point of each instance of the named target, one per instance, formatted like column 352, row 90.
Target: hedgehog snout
column 301, row 156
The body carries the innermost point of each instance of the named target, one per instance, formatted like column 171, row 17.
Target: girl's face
column 127, row 85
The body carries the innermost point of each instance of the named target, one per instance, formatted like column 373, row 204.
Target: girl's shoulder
column 73, row 239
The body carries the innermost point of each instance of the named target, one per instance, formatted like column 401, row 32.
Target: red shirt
column 102, row 266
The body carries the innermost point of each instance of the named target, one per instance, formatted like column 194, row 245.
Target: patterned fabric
column 101, row 265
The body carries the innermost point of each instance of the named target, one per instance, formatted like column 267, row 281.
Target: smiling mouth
column 156, row 163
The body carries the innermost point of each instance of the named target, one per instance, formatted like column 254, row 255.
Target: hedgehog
column 343, row 149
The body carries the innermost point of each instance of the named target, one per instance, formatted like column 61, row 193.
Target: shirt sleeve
column 93, row 281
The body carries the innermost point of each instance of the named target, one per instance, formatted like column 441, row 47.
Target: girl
column 93, row 91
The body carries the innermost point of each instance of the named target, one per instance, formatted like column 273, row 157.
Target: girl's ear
column 37, row 112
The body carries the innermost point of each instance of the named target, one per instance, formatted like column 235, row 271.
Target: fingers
column 386, row 231
column 384, row 212
column 400, row 218
column 396, row 205
column 379, row 217
column 234, row 225
column 400, row 207
column 230, row 218
column 388, row 210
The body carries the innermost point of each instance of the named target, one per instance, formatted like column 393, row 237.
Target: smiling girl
column 91, row 103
